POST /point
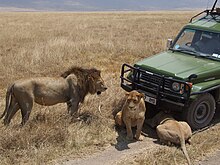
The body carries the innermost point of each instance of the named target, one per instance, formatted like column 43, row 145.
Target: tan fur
column 70, row 88
column 132, row 114
column 171, row 131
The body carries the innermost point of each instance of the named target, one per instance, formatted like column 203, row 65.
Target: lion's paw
column 140, row 138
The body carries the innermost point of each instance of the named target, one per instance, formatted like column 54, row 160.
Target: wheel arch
column 216, row 94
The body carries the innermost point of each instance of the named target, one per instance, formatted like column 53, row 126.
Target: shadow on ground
column 123, row 143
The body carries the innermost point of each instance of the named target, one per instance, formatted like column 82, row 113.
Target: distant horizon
column 14, row 9
column 101, row 5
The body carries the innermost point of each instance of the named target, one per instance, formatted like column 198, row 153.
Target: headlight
column 176, row 86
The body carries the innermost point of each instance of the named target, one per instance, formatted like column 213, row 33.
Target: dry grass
column 46, row 44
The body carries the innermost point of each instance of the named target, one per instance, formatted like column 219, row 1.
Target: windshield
column 197, row 42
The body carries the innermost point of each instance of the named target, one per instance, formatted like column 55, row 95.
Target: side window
column 185, row 38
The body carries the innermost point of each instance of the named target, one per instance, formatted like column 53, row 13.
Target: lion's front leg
column 72, row 107
column 128, row 128
column 140, row 123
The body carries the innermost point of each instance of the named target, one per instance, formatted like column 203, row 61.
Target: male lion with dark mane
column 132, row 114
column 70, row 88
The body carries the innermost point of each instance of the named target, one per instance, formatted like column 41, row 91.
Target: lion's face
column 97, row 84
column 133, row 99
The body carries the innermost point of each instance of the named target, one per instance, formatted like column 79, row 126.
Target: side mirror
column 169, row 43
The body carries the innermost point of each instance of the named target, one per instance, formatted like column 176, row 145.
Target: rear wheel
column 201, row 111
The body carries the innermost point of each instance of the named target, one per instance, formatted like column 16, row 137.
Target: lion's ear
column 141, row 95
column 127, row 94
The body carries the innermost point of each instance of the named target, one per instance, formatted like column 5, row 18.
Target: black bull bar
column 155, row 87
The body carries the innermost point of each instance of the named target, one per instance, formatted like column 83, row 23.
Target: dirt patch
column 213, row 159
column 117, row 152
column 114, row 154
column 137, row 152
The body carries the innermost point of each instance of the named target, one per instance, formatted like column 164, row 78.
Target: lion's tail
column 183, row 147
column 7, row 99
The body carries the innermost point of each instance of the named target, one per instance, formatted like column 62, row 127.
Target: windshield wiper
column 196, row 54
column 188, row 51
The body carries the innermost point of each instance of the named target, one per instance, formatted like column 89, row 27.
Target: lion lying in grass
column 171, row 131
column 132, row 114
column 70, row 88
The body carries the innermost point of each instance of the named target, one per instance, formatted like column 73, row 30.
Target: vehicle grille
column 152, row 81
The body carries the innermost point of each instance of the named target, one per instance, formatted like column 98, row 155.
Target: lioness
column 71, row 87
column 171, row 131
column 132, row 114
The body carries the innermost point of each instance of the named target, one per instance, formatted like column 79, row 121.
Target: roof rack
column 205, row 11
column 213, row 11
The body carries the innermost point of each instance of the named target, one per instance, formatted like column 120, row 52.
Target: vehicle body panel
column 181, row 66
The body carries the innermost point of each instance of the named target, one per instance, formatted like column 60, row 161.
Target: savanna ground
column 46, row 44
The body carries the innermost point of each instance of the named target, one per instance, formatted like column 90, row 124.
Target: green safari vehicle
column 185, row 78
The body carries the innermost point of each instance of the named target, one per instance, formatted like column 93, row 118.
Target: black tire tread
column 188, row 112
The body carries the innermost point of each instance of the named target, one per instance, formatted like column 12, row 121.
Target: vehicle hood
column 181, row 66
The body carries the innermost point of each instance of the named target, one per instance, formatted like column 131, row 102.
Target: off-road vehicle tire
column 201, row 111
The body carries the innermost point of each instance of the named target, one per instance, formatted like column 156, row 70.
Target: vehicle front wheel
column 200, row 112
